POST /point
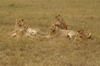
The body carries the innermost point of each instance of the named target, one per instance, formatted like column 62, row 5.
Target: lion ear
column 22, row 19
column 82, row 30
column 61, row 19
column 49, row 24
column 16, row 19
column 78, row 30
column 56, row 15
column 59, row 15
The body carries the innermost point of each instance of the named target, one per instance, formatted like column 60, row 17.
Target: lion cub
column 32, row 31
column 60, row 22
column 82, row 35
column 54, row 31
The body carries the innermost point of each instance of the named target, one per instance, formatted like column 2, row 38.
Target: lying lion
column 33, row 31
column 57, row 32
column 82, row 35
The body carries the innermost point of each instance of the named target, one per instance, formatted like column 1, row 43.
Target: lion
column 54, row 31
column 82, row 35
column 19, row 25
column 33, row 31
column 18, row 28
column 60, row 22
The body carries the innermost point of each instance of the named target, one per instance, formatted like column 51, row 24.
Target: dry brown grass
column 78, row 14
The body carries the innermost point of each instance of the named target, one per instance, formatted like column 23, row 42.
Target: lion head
column 53, row 27
column 26, row 27
column 58, row 18
column 19, row 22
column 83, row 34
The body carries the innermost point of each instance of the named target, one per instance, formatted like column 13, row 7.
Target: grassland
column 78, row 14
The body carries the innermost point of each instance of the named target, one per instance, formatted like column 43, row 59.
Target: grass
column 78, row 14
column 12, row 4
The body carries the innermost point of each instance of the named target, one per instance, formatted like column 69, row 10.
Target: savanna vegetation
column 78, row 14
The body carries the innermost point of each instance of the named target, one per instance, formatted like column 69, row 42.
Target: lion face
column 52, row 27
column 58, row 24
column 26, row 27
column 81, row 32
column 19, row 22
column 58, row 18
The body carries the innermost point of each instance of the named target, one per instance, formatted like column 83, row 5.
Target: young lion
column 32, row 31
column 60, row 23
column 82, row 35
column 57, row 32
column 19, row 25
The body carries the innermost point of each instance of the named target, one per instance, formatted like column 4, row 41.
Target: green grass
column 12, row 4
column 78, row 14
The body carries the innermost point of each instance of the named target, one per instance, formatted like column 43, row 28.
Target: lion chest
column 19, row 28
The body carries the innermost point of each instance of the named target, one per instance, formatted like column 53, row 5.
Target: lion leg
column 75, row 39
column 12, row 34
column 89, row 35
column 47, row 36
column 70, row 36
column 29, row 35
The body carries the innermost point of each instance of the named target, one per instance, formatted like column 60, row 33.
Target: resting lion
column 33, row 31
column 57, row 32
column 82, row 35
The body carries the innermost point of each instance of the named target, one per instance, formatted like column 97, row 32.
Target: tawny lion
column 19, row 25
column 82, row 35
column 33, row 31
column 54, row 31
column 60, row 22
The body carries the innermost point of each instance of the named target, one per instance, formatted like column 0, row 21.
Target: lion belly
column 66, row 33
